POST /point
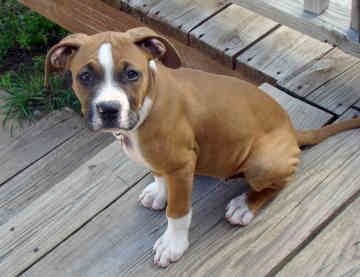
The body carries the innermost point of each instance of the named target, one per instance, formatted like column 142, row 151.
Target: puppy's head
column 112, row 73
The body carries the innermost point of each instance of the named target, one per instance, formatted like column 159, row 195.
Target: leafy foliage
column 22, row 28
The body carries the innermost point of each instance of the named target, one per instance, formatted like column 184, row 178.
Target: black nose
column 109, row 108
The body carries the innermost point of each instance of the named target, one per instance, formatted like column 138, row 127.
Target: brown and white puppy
column 180, row 122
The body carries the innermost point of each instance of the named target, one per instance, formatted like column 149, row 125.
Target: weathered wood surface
column 230, row 32
column 37, row 141
column 340, row 93
column 66, row 207
column 118, row 242
column 318, row 72
column 332, row 26
column 334, row 252
column 138, row 8
column 176, row 17
column 92, row 16
column 316, row 6
column 282, row 52
column 20, row 191
column 299, row 111
column 180, row 17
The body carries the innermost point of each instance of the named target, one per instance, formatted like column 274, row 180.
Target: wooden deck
column 68, row 197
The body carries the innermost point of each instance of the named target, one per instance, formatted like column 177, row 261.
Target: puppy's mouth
column 103, row 123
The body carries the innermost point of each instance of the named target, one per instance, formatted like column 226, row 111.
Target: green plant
column 27, row 96
column 24, row 29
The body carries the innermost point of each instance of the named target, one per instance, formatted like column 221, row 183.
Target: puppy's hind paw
column 238, row 212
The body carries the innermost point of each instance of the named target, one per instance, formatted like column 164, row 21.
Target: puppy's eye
column 86, row 77
column 132, row 75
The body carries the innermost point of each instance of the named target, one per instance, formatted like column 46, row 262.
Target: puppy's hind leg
column 268, row 172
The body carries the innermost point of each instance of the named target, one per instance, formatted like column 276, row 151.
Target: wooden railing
column 319, row 6
column 331, row 21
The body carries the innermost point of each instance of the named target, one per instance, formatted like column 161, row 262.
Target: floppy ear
column 59, row 56
column 156, row 45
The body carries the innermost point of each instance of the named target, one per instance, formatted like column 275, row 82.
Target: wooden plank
column 65, row 208
column 318, row 72
column 20, row 191
column 282, row 52
column 180, row 17
column 138, row 8
column 331, row 253
column 298, row 110
column 340, row 93
column 119, row 241
column 332, row 26
column 223, row 37
column 92, row 16
column 37, row 141
column 355, row 15
column 316, row 6
column 327, row 179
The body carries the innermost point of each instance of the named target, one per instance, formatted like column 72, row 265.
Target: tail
column 312, row 137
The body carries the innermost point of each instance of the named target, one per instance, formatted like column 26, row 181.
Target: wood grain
column 65, row 208
column 20, row 191
column 92, row 16
column 282, row 52
column 318, row 72
column 180, row 17
column 298, row 110
column 340, row 93
column 334, row 251
column 37, row 141
column 331, row 26
column 230, row 32
column 118, row 242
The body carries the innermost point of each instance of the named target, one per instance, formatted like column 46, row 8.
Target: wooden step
column 333, row 251
column 37, row 141
column 119, row 240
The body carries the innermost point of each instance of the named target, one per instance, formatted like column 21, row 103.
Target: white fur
column 110, row 91
column 152, row 65
column 238, row 212
column 154, row 196
column 174, row 242
column 132, row 151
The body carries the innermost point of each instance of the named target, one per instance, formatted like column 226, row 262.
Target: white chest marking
column 131, row 147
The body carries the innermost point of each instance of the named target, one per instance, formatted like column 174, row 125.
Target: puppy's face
column 112, row 73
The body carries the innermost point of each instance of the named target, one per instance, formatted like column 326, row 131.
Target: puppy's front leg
column 174, row 242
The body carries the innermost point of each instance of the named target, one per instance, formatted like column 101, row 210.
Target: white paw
column 238, row 212
column 154, row 195
column 169, row 248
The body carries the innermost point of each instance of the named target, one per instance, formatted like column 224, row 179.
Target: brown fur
column 207, row 124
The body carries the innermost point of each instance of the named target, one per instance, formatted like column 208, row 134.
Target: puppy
column 179, row 122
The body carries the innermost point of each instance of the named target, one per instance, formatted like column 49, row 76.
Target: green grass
column 25, row 36
column 27, row 95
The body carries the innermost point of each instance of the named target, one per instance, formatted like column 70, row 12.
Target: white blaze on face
column 109, row 90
